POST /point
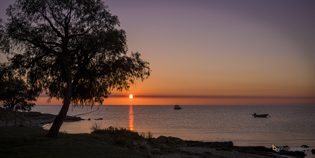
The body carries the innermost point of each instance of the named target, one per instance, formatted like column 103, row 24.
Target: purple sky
column 205, row 47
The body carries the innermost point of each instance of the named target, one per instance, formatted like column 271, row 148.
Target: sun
column 130, row 96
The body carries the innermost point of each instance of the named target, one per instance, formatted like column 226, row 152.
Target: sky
column 211, row 52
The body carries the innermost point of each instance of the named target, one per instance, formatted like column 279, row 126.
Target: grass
column 149, row 135
column 16, row 142
column 120, row 136
column 95, row 127
column 119, row 132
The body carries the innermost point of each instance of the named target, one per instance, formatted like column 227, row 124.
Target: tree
column 73, row 49
column 14, row 91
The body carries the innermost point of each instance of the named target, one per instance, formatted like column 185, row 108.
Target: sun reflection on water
column 130, row 125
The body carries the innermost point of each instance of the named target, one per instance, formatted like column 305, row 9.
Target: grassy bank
column 31, row 143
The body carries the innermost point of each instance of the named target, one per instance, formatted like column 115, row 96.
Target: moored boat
column 177, row 107
column 260, row 115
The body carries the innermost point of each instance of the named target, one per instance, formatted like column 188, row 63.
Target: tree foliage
column 73, row 49
column 14, row 91
column 82, row 32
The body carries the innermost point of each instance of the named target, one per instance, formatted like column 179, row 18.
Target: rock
column 161, row 146
column 313, row 151
column 143, row 147
column 262, row 148
column 286, row 147
column 305, row 147
column 177, row 141
column 194, row 143
column 222, row 144
column 156, row 151
column 223, row 149
column 21, row 125
column 162, row 139
column 247, row 149
column 209, row 144
column 170, row 141
column 72, row 118
column 293, row 153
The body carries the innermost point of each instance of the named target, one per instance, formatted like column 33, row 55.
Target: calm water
column 292, row 125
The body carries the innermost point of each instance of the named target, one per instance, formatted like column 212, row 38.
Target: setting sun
column 130, row 96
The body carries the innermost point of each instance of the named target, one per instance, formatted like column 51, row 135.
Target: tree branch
column 53, row 43
column 52, row 26
column 53, row 14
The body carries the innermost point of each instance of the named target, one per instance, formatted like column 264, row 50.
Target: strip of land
column 30, row 119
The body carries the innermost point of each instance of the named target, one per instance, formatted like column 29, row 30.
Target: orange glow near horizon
column 190, row 101
column 130, row 125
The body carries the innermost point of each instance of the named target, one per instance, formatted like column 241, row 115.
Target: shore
column 33, row 119
column 161, row 147
column 183, row 148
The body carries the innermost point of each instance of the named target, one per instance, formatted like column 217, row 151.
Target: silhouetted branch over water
column 72, row 50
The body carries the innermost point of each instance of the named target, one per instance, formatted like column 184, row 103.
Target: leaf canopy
column 50, row 34
column 14, row 91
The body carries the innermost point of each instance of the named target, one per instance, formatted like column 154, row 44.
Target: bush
column 149, row 135
column 118, row 132
column 123, row 142
column 95, row 127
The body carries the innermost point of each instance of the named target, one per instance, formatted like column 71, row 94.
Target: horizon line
column 214, row 96
column 207, row 96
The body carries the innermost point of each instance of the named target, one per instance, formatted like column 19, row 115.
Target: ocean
column 292, row 125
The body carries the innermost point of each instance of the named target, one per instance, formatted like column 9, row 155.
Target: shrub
column 95, row 127
column 118, row 132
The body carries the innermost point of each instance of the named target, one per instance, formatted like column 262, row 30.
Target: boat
column 260, row 115
column 177, row 107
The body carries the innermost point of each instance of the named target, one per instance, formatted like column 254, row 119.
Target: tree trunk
column 15, row 122
column 6, row 117
column 54, row 130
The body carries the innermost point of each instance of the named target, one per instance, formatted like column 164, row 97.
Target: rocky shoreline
column 172, row 147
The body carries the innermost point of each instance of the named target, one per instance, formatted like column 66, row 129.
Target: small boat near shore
column 177, row 107
column 260, row 115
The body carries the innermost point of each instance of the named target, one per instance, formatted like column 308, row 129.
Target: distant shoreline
column 31, row 118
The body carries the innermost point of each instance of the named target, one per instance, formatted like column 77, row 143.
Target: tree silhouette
column 14, row 91
column 73, row 50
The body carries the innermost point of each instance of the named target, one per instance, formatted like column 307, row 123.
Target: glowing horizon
column 195, row 100
column 217, row 52
column 124, row 99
